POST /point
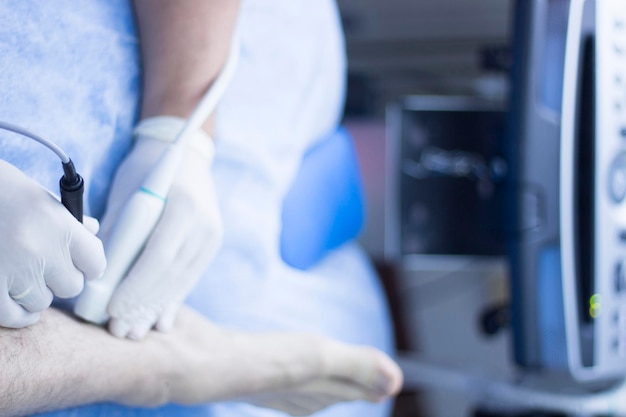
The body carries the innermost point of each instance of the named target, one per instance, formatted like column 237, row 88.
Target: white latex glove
column 184, row 241
column 43, row 250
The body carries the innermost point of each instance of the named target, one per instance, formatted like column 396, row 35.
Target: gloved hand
column 43, row 250
column 184, row 241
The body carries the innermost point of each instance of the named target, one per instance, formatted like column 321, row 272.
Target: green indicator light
column 594, row 306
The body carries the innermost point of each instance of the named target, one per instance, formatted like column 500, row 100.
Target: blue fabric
column 70, row 70
column 324, row 207
column 216, row 410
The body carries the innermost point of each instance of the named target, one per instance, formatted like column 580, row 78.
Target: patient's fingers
column 364, row 365
column 166, row 322
column 351, row 373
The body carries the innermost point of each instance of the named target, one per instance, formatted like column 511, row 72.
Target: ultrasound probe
column 141, row 213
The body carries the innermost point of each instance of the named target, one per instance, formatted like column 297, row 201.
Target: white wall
column 425, row 46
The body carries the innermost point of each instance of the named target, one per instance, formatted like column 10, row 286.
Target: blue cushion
column 324, row 207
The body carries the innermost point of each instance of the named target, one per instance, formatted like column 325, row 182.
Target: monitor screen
column 450, row 158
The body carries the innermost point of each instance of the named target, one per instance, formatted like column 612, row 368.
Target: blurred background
column 407, row 48
column 491, row 136
column 401, row 47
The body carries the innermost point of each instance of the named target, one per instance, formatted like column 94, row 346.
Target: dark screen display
column 451, row 199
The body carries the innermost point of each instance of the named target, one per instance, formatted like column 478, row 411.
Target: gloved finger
column 365, row 366
column 193, row 258
column 141, row 328
column 13, row 315
column 127, row 307
column 119, row 327
column 32, row 294
column 64, row 279
column 167, row 319
column 135, row 329
column 134, row 322
column 87, row 253
column 91, row 224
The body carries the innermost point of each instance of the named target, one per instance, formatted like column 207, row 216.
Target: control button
column 618, row 345
column 618, row 184
column 617, row 178
column 620, row 280
column 621, row 321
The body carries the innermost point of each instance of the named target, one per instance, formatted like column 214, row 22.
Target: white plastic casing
column 131, row 232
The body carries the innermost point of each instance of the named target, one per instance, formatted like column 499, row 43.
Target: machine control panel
column 617, row 178
column 568, row 146
column 610, row 190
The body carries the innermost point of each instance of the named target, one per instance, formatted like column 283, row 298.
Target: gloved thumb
column 87, row 251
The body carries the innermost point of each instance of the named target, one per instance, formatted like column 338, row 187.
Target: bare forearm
column 59, row 362
column 184, row 46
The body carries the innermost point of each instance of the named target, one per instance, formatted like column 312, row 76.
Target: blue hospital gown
column 70, row 70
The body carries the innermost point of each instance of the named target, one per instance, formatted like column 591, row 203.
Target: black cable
column 71, row 183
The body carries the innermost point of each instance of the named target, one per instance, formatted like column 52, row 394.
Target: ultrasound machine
column 539, row 180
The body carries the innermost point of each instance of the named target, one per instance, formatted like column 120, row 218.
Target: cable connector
column 72, row 187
